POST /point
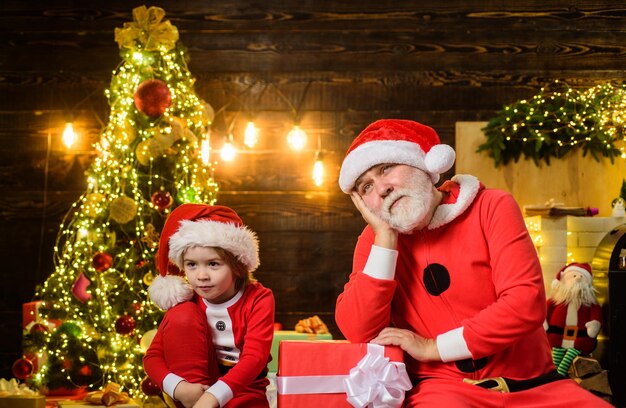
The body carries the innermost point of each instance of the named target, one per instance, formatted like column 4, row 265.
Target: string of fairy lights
column 558, row 120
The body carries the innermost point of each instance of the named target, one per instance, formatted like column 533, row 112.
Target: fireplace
column 609, row 271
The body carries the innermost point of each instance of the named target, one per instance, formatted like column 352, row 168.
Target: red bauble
column 125, row 324
column 149, row 387
column 153, row 97
column 22, row 368
column 38, row 328
column 162, row 200
column 85, row 371
column 102, row 261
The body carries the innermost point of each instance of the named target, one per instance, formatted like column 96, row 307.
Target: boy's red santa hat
column 395, row 141
column 198, row 225
column 583, row 268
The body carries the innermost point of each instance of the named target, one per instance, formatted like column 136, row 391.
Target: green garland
column 557, row 121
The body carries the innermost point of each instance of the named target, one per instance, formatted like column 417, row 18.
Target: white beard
column 579, row 293
column 415, row 205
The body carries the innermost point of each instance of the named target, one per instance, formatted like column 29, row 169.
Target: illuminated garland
column 557, row 121
column 104, row 254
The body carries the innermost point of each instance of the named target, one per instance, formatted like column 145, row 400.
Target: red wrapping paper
column 321, row 358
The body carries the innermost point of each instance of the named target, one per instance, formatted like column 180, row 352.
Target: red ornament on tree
column 38, row 328
column 85, row 371
column 153, row 97
column 22, row 368
column 149, row 387
column 102, row 261
column 162, row 200
column 125, row 325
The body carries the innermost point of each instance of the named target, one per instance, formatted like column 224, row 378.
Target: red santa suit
column 472, row 281
column 228, row 346
column 567, row 326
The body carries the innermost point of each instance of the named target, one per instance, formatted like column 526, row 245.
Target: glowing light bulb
column 69, row 136
column 318, row 172
column 296, row 138
column 205, row 151
column 251, row 136
column 228, row 151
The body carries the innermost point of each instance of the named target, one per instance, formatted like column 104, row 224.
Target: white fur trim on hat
column 238, row 240
column 439, row 159
column 169, row 290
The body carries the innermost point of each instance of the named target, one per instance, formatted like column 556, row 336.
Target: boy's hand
column 207, row 400
column 188, row 393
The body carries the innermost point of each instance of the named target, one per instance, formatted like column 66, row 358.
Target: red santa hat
column 395, row 141
column 583, row 268
column 198, row 225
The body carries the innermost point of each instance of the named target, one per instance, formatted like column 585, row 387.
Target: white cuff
column 170, row 382
column 381, row 263
column 452, row 346
column 222, row 392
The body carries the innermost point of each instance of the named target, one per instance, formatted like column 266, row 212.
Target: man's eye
column 366, row 188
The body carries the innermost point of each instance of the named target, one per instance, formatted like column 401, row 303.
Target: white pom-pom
column 439, row 159
column 170, row 290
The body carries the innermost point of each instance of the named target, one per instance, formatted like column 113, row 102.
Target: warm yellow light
column 205, row 151
column 228, row 151
column 318, row 172
column 296, row 138
column 69, row 136
column 251, row 136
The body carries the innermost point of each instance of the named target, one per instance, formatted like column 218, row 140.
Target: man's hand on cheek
column 418, row 347
column 386, row 236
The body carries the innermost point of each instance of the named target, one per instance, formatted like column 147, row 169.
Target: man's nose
column 384, row 189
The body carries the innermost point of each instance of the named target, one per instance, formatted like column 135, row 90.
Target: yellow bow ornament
column 147, row 30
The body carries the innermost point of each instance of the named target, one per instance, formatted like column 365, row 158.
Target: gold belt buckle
column 570, row 332
column 501, row 387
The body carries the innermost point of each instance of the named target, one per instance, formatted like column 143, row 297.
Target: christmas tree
column 96, row 320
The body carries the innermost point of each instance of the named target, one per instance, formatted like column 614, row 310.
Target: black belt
column 507, row 385
column 569, row 332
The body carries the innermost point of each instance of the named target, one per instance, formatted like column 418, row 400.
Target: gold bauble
column 148, row 278
column 92, row 204
column 146, row 339
column 123, row 209
column 148, row 149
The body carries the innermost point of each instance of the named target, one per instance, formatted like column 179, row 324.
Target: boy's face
column 209, row 276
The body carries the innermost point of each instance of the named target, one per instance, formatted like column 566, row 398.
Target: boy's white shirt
column 220, row 390
column 381, row 264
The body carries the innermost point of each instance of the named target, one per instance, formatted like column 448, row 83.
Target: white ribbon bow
column 377, row 382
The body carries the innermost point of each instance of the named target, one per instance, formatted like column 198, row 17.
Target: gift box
column 23, row 401
column 340, row 374
column 280, row 335
column 85, row 404
column 30, row 316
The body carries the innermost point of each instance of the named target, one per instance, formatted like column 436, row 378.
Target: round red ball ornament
column 162, row 200
column 22, row 368
column 152, row 97
column 149, row 387
column 125, row 325
column 102, row 261
column 85, row 371
column 38, row 328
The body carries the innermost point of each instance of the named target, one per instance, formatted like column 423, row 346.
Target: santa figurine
column 574, row 317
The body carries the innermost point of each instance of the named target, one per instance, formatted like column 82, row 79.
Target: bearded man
column 448, row 274
column 574, row 317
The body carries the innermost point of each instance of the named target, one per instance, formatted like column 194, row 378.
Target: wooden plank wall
column 437, row 62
